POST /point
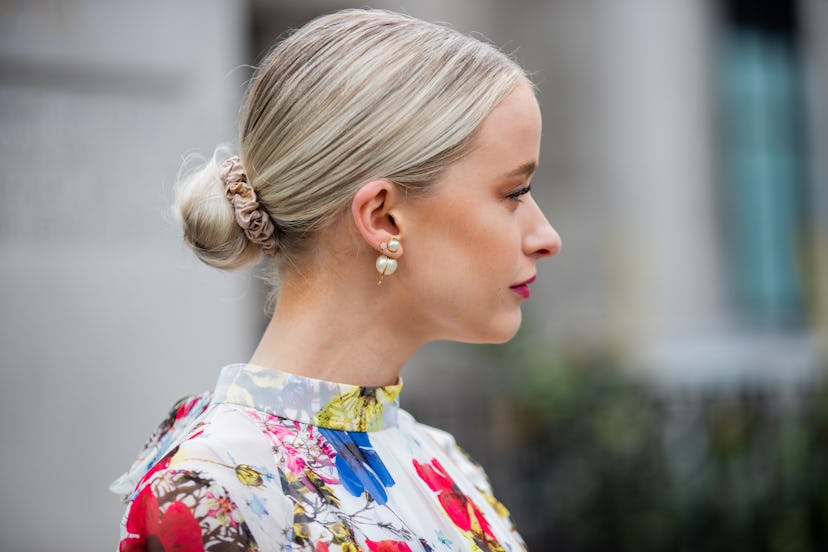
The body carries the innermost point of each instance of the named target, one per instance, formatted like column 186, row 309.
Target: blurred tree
column 610, row 462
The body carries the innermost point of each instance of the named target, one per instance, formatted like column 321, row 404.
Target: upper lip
column 527, row 281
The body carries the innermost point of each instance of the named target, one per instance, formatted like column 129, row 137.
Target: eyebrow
column 527, row 169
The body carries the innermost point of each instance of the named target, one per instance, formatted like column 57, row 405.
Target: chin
column 497, row 332
column 505, row 337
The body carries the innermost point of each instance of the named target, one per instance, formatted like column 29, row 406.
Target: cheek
column 481, row 250
column 458, row 285
column 472, row 244
column 467, row 269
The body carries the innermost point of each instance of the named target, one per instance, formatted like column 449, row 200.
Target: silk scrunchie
column 256, row 223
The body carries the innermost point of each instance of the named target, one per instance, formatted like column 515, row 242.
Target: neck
column 337, row 331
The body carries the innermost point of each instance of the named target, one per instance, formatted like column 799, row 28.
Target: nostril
column 558, row 244
column 554, row 249
column 544, row 242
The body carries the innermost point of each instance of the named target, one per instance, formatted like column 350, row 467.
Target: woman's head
column 350, row 97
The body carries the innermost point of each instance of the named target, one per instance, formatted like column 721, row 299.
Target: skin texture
column 463, row 247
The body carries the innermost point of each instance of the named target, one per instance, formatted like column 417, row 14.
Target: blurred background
column 667, row 390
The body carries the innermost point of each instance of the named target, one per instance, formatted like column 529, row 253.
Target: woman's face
column 471, row 244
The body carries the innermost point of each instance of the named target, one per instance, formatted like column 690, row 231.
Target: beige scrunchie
column 254, row 220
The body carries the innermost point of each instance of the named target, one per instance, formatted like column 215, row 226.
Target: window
column 763, row 166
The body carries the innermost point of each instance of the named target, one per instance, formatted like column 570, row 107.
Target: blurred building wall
column 105, row 319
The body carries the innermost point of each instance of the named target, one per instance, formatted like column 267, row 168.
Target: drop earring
column 385, row 264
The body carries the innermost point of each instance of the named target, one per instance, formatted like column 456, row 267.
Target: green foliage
column 611, row 463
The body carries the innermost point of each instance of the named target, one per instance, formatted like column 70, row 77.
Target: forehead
column 517, row 114
column 508, row 141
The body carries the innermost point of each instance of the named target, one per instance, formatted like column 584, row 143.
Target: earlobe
column 375, row 217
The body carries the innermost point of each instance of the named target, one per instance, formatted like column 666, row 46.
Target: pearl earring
column 387, row 266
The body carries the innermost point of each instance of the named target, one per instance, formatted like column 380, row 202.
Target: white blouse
column 276, row 461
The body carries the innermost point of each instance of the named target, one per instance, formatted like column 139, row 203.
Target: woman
column 384, row 172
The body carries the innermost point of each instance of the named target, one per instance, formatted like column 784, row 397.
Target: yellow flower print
column 322, row 488
column 498, row 506
column 301, row 531
column 266, row 378
column 360, row 409
column 240, row 395
column 340, row 531
column 249, row 476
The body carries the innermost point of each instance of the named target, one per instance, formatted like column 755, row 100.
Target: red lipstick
column 522, row 288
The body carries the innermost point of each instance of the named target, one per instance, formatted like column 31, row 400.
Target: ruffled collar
column 321, row 403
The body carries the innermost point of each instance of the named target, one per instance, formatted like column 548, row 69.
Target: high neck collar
column 321, row 403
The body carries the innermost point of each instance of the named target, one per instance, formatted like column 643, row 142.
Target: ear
column 374, row 209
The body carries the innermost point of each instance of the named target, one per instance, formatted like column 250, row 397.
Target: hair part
column 350, row 97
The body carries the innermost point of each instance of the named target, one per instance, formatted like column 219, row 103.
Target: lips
column 522, row 288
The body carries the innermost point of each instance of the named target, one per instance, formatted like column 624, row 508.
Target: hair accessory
column 253, row 219
column 387, row 266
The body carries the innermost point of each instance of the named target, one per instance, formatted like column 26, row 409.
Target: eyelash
column 516, row 195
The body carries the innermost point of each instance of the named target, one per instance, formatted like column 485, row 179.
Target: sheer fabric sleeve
column 179, row 421
column 471, row 469
column 182, row 509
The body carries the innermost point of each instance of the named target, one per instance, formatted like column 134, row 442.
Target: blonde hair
column 353, row 96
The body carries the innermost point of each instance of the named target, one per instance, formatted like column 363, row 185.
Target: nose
column 540, row 240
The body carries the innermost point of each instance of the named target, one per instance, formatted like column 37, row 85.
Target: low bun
column 208, row 218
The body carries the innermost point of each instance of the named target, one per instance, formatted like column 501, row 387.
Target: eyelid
column 517, row 193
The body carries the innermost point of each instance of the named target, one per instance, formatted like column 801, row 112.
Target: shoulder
column 180, row 420
column 460, row 459
column 184, row 508
column 447, row 444
column 213, row 489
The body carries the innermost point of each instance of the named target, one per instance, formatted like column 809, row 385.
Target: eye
column 522, row 191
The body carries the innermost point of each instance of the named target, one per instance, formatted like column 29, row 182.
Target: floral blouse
column 275, row 461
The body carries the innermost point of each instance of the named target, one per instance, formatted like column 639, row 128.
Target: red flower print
column 162, row 464
column 176, row 530
column 322, row 546
column 387, row 546
column 185, row 408
column 463, row 512
column 197, row 433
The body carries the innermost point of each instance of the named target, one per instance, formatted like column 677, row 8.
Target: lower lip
column 522, row 290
